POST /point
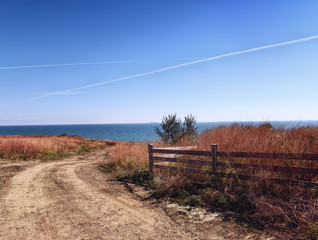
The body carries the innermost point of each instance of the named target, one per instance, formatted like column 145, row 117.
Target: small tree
column 189, row 128
column 173, row 130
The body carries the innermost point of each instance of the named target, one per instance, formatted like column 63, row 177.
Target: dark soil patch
column 7, row 172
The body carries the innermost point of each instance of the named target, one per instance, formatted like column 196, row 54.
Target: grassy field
column 261, row 204
column 46, row 147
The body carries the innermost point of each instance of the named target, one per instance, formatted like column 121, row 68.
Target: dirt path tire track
column 71, row 199
column 51, row 201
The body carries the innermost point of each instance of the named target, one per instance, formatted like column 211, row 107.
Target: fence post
column 214, row 150
column 150, row 146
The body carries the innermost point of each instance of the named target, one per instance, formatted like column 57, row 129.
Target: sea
column 131, row 132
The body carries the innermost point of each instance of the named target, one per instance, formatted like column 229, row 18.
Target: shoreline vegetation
column 262, row 205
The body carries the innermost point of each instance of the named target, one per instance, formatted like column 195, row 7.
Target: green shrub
column 139, row 176
column 193, row 201
column 223, row 203
column 312, row 231
column 49, row 155
column 84, row 149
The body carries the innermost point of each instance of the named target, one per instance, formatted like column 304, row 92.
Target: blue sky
column 124, row 38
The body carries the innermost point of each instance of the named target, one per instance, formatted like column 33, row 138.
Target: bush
column 193, row 201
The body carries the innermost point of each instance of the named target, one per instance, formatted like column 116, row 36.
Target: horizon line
column 220, row 121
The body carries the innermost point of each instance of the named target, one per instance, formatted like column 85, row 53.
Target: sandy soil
column 72, row 199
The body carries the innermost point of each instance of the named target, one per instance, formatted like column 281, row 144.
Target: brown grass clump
column 129, row 156
column 130, row 160
column 45, row 147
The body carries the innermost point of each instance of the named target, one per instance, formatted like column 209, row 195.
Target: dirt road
column 72, row 199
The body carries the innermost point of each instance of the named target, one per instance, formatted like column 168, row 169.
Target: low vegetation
column 46, row 147
column 261, row 204
column 129, row 160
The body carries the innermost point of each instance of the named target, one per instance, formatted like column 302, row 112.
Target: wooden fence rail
column 213, row 164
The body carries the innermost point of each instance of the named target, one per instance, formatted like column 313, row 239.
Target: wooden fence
column 213, row 165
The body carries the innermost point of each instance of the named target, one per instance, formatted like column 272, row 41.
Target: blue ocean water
column 137, row 132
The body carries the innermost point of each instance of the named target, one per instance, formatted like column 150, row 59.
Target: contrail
column 174, row 67
column 192, row 62
column 62, row 65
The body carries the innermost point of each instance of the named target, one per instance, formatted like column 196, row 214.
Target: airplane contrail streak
column 192, row 62
column 174, row 67
column 62, row 65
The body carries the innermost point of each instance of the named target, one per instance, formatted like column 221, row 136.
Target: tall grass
column 260, row 203
column 262, row 138
column 45, row 147
column 288, row 207
column 129, row 157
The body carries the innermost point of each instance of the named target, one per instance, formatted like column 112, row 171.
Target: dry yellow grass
column 129, row 156
column 263, row 138
column 245, row 138
column 288, row 207
column 45, row 147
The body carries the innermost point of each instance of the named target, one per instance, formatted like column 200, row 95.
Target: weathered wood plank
column 215, row 163
column 183, row 152
column 294, row 156
column 269, row 155
column 299, row 170
column 150, row 147
column 189, row 170
column 181, row 160
column 214, row 158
